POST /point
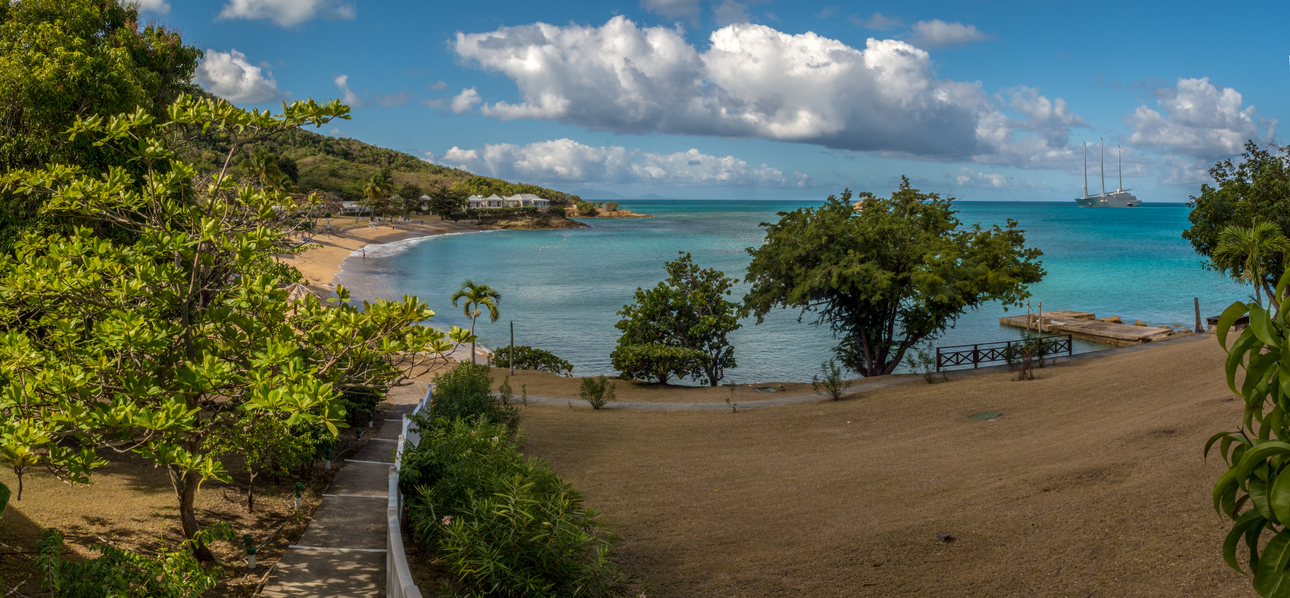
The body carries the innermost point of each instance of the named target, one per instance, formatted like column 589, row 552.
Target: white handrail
column 398, row 576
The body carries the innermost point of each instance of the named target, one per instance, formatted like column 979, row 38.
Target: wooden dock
column 1086, row 325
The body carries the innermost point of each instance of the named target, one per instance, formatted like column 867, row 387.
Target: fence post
column 976, row 356
column 938, row 359
column 1070, row 346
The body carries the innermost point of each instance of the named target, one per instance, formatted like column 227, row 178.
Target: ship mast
column 1119, row 165
column 1103, row 165
column 1085, row 169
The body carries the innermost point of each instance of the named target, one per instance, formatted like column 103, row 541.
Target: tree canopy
column 887, row 272
column 681, row 327
column 158, row 343
column 65, row 59
column 1251, row 190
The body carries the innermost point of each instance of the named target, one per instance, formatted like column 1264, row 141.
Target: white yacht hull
column 1110, row 200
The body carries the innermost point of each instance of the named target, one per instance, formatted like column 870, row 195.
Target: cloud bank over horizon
column 568, row 161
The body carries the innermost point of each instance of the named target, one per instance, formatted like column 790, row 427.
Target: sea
column 562, row 289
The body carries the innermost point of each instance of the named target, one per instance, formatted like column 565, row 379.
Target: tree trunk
column 185, row 484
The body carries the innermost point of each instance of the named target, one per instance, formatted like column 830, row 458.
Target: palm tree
column 1244, row 251
column 477, row 296
column 376, row 188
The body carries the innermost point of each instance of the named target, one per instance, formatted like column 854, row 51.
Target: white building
column 352, row 208
column 522, row 200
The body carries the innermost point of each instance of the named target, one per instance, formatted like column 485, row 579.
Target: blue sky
column 761, row 100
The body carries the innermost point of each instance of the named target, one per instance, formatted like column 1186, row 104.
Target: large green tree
column 156, row 344
column 888, row 272
column 66, row 59
column 1251, row 190
column 681, row 327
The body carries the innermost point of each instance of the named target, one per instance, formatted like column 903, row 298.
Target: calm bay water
column 562, row 288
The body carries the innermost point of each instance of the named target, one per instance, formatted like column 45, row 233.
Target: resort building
column 522, row 200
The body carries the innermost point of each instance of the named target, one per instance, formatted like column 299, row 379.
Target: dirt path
column 1091, row 483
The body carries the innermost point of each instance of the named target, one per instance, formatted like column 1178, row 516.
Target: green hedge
column 528, row 358
column 501, row 212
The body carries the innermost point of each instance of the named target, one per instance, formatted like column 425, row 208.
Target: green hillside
column 343, row 166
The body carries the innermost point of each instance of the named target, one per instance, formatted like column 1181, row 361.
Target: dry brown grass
column 545, row 384
column 1091, row 484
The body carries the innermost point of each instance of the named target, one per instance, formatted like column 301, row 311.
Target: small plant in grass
column 832, row 384
column 505, row 392
column 118, row 572
column 922, row 361
column 524, row 394
column 597, row 391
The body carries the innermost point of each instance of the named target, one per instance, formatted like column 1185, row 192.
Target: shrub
column 120, row 572
column 558, row 211
column 503, row 524
column 611, row 206
column 597, row 391
column 586, row 208
column 486, row 213
column 465, row 392
column 923, row 362
column 832, row 385
column 528, row 358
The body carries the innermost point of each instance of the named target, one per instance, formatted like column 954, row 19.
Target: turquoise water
column 562, row 288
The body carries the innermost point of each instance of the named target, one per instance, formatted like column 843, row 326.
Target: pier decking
column 1085, row 325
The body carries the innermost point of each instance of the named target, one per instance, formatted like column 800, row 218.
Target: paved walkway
column 859, row 387
column 342, row 552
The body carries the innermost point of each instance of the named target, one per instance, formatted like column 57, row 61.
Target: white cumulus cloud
column 464, row 101
column 565, row 160
column 1199, row 119
column 230, row 76
column 967, row 177
column 938, row 33
column 347, row 95
column 752, row 81
column 287, row 13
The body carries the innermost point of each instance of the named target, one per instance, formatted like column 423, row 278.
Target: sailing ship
column 1121, row 198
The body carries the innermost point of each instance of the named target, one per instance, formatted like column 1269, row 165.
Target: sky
column 767, row 99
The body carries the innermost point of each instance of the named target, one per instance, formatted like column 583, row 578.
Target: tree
column 376, row 192
column 888, row 275
column 446, row 201
column 1245, row 252
column 477, row 296
column 265, row 444
column 680, row 327
column 158, row 343
column 64, row 59
column 1254, row 189
column 1254, row 492
column 411, row 198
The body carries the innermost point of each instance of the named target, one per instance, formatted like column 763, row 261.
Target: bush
column 597, row 391
column 611, row 206
column 487, row 213
column 558, row 211
column 586, row 208
column 923, row 362
column 503, row 524
column 465, row 393
column 528, row 358
column 833, row 385
column 120, row 572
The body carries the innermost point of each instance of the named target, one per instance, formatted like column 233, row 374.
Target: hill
column 342, row 166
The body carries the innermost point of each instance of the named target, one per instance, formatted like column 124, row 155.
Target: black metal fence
column 960, row 355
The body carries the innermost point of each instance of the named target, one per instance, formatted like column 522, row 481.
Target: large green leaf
column 1228, row 318
column 1271, row 579
column 1245, row 522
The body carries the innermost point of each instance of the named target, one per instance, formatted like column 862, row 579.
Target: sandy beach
column 320, row 265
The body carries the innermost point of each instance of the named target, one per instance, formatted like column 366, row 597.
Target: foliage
column 505, row 392
column 465, row 393
column 585, row 208
column 922, row 361
column 1255, row 490
column 888, row 275
column 477, row 296
column 558, row 211
column 64, row 59
column 265, row 444
column 832, row 385
column 376, row 192
column 1254, row 189
column 119, row 573
column 488, row 213
column 680, row 327
column 154, row 345
column 446, row 202
column 528, row 358
column 503, row 524
column 1243, row 252
column 597, row 391
column 611, row 206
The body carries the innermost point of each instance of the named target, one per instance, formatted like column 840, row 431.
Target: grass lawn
column 1091, row 483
